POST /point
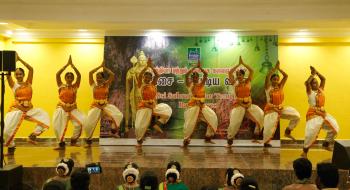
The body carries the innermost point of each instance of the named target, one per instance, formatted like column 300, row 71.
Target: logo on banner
column 193, row 54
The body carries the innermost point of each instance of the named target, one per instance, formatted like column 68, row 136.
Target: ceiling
column 63, row 18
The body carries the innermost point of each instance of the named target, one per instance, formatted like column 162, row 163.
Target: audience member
column 130, row 176
column 80, row 180
column 303, row 170
column 233, row 179
column 249, row 183
column 149, row 181
column 172, row 178
column 63, row 171
column 327, row 176
column 54, row 185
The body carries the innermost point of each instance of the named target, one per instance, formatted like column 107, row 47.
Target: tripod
column 2, row 74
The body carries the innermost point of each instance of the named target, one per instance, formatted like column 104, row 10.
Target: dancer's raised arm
column 92, row 72
column 251, row 71
column 59, row 73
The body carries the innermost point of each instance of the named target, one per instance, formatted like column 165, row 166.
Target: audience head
column 249, row 183
column 65, row 167
column 149, row 181
column 131, row 173
column 54, row 185
column 172, row 173
column 234, row 177
column 302, row 168
column 80, row 180
column 327, row 175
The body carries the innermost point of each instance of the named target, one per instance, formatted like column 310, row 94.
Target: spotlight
column 226, row 39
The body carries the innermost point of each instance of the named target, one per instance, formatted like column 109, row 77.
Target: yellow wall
column 331, row 57
column 2, row 43
column 47, row 57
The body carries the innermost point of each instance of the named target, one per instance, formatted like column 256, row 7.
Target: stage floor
column 214, row 156
column 272, row 167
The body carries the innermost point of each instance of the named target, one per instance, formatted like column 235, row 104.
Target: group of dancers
column 149, row 110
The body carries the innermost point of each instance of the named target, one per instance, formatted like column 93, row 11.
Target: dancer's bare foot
column 31, row 141
column 185, row 143
column 267, row 145
column 139, row 143
column 208, row 140
column 256, row 141
column 229, row 143
column 59, row 148
column 290, row 137
column 75, row 145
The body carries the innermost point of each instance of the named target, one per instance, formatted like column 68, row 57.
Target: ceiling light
column 3, row 23
column 9, row 32
column 82, row 30
column 226, row 39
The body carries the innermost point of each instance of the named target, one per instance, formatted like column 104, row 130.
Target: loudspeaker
column 11, row 177
column 341, row 154
column 8, row 60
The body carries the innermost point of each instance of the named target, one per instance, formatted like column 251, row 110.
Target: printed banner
column 173, row 57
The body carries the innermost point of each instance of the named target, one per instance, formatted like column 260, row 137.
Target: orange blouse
column 317, row 110
column 67, row 96
column 198, row 95
column 243, row 90
column 101, row 92
column 148, row 94
column 276, row 96
column 23, row 96
column 24, row 92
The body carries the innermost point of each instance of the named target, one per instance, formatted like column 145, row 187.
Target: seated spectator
column 233, row 179
column 63, row 171
column 54, row 185
column 130, row 176
column 303, row 170
column 327, row 176
column 149, row 181
column 249, row 183
column 80, row 180
column 172, row 178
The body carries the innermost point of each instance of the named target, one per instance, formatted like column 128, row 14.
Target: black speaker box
column 11, row 177
column 8, row 60
column 341, row 154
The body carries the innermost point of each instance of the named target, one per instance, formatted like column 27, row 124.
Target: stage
column 201, row 165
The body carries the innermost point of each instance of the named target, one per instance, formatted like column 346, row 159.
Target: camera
column 94, row 168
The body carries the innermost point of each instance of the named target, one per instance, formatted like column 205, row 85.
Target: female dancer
column 148, row 106
column 242, row 105
column 274, row 109
column 316, row 116
column 100, row 103
column 67, row 106
column 22, row 108
column 197, row 110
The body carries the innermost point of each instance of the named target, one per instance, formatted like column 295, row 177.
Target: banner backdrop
column 172, row 57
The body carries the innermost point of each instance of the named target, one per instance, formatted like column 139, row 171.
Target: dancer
column 197, row 110
column 148, row 106
column 242, row 105
column 22, row 108
column 316, row 116
column 274, row 109
column 67, row 107
column 100, row 103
